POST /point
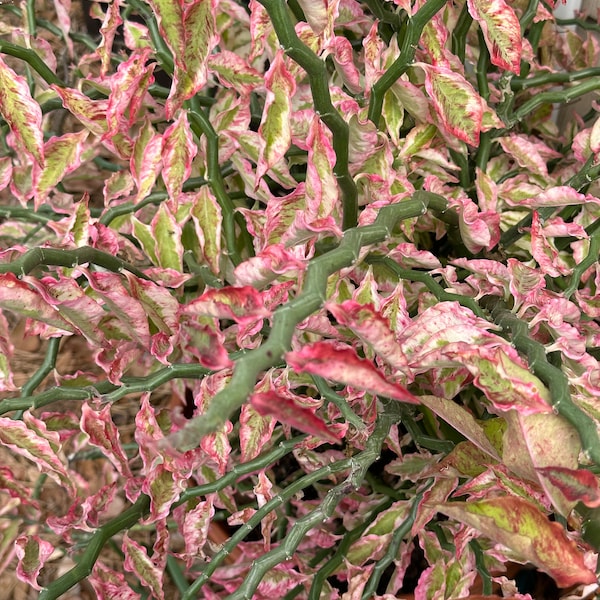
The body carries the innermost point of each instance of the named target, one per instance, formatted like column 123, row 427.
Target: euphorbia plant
column 356, row 221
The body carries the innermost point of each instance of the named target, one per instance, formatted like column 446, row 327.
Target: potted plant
column 328, row 276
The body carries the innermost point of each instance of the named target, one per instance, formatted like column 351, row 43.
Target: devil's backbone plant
column 357, row 242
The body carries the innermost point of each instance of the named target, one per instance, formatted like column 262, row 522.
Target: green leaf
column 167, row 233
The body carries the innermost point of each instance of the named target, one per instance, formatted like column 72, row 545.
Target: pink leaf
column 62, row 155
column 344, row 366
column 193, row 32
column 318, row 13
column 371, row 327
column 146, row 159
column 103, row 433
column 164, row 487
column 128, row 86
column 234, row 71
column 207, row 219
column 194, row 525
column 91, row 113
column 272, row 261
column 129, row 311
column 321, row 184
column 21, row 112
column 530, row 154
column 108, row 583
column 288, row 412
column 240, row 304
column 501, row 31
column 577, row 485
column 32, row 441
column 32, row 552
column 544, row 251
column 507, row 384
column 205, row 341
column 15, row 295
column 536, row 441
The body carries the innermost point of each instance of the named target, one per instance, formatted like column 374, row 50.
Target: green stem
column 31, row 23
column 287, row 317
column 84, row 567
column 44, row 369
column 33, row 60
column 319, row 85
column 405, row 59
column 67, row 258
column 107, row 392
column 141, row 509
column 553, row 377
column 358, row 466
column 582, row 267
column 583, row 23
column 541, row 79
column 561, row 97
column 337, row 560
column 201, row 125
column 430, row 283
column 393, row 549
column 341, row 403
column 459, row 34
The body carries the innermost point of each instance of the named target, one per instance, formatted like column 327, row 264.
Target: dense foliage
column 374, row 224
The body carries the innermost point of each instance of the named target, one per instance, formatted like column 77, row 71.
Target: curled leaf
column 519, row 525
column 343, row 365
column 577, row 485
column 288, row 412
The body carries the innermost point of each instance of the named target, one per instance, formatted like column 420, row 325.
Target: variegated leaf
column 519, row 525
column 343, row 365
column 501, row 31
column 456, row 102
column 22, row 113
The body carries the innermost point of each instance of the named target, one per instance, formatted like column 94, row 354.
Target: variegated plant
column 374, row 224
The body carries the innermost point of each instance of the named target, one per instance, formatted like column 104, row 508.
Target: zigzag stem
column 553, row 377
column 337, row 560
column 358, row 466
column 67, row 258
column 105, row 390
column 319, row 86
column 287, row 317
column 201, row 125
column 430, row 283
column 406, row 57
column 393, row 549
column 142, row 508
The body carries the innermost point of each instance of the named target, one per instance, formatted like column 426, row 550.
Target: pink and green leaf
column 38, row 445
column 576, row 485
column 138, row 562
column 456, row 102
column 519, row 525
column 22, row 113
column 275, row 126
column 501, row 31
column 32, row 552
